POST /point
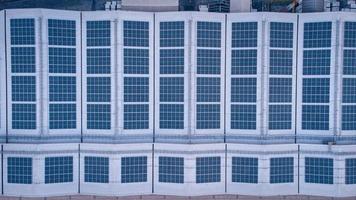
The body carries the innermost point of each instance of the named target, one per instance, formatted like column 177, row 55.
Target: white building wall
column 3, row 78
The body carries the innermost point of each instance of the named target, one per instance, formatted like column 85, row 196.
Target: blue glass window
column 350, row 171
column 349, row 90
column 171, row 116
column 281, row 62
column 282, row 170
column 319, row 170
column 244, row 170
column 96, row 169
column 136, row 33
column 98, row 61
column 136, row 61
column 315, row 117
column 62, row 88
column 99, row 116
column 58, row 169
column 209, row 34
column 19, row 170
column 98, row 89
column 316, row 90
column 244, row 61
column 171, row 169
column 243, row 116
column 62, row 60
column 171, row 89
column 316, row 62
column 317, row 34
column 208, row 169
column 350, row 34
column 208, row 61
column 280, row 117
column 281, row 35
column 172, row 34
column 349, row 117
column 349, row 62
column 171, row 61
column 136, row 116
column 61, row 32
column 243, row 90
column 136, row 89
column 280, row 90
column 62, row 116
column 24, row 116
column 23, row 60
column 208, row 89
column 23, row 88
column 133, row 169
column 22, row 31
column 98, row 33
column 208, row 116
column 244, row 34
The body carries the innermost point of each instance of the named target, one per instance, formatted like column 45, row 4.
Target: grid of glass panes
column 62, row 70
column 19, row 170
column 281, row 170
column 134, row 169
column 319, row 170
column 243, row 83
column 23, row 73
column 58, row 169
column 349, row 78
column 350, row 171
column 316, row 76
column 280, row 76
column 208, row 75
column 98, row 75
column 208, row 169
column 171, row 75
column 96, row 169
column 136, row 75
column 171, row 169
column 244, row 170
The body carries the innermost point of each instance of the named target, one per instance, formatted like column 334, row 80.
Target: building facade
column 177, row 103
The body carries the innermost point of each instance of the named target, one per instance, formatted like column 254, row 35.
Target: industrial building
column 118, row 103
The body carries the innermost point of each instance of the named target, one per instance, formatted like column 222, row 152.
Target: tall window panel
column 348, row 116
column 350, row 171
column 243, row 82
column 62, row 71
column 208, row 75
column 244, row 170
column 319, row 170
column 208, row 169
column 98, row 76
column 316, row 76
column 23, row 74
column 134, row 169
column 136, row 75
column 280, row 100
column 96, row 169
column 19, row 170
column 171, row 169
column 171, row 75
column 58, row 169
column 281, row 170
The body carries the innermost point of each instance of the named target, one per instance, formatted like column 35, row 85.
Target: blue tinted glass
column 98, row 89
column 349, row 90
column 349, row 62
column 98, row 33
column 280, row 117
column 23, row 88
column 136, row 61
column 136, row 116
column 62, row 60
column 98, row 116
column 133, row 169
column 316, row 62
column 62, row 116
column 282, row 170
column 98, row 61
column 58, row 169
column 317, row 34
column 19, row 170
column 281, row 35
column 171, row 116
column 315, row 117
column 244, row 61
column 171, row 169
column 22, row 31
column 243, row 90
column 208, row 89
column 136, row 89
column 208, row 169
column 23, row 60
column 172, row 34
column 62, row 88
column 319, row 170
column 244, row 170
column 171, row 89
column 208, row 61
column 136, row 33
column 280, row 90
column 244, row 34
column 23, row 116
column 208, row 34
column 208, row 116
column 61, row 32
column 171, row 61
column 281, row 62
column 350, row 34
column 243, row 116
column 316, row 90
column 349, row 117
column 350, row 171
column 96, row 169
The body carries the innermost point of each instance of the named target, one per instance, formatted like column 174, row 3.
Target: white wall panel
column 3, row 99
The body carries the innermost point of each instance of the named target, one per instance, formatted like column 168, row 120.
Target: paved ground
column 164, row 197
